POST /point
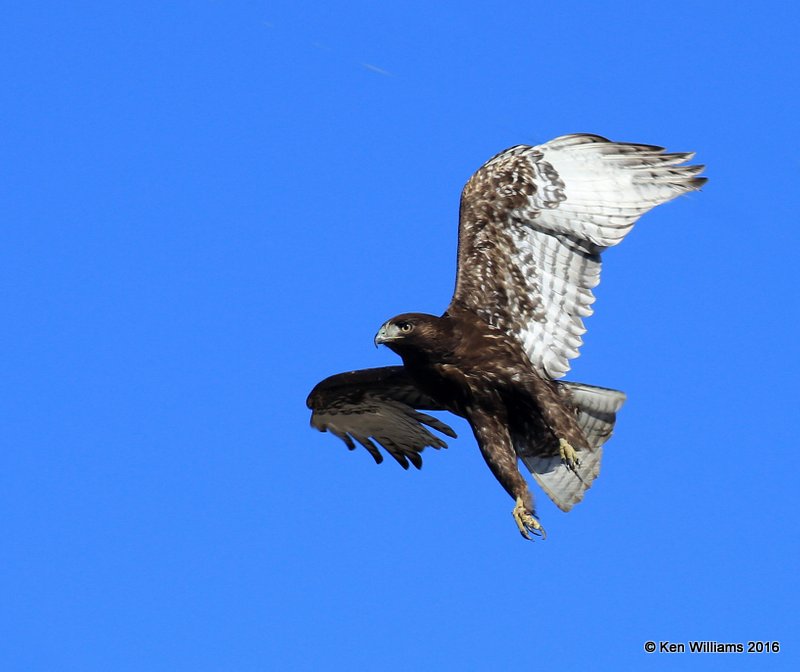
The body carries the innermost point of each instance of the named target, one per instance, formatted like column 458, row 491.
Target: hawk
column 533, row 223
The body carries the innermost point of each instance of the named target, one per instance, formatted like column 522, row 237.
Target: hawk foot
column 569, row 456
column 526, row 522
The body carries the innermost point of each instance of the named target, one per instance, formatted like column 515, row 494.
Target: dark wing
column 378, row 404
column 533, row 223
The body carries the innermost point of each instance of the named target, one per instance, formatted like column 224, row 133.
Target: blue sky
column 210, row 206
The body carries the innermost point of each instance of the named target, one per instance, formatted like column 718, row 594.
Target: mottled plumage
column 533, row 223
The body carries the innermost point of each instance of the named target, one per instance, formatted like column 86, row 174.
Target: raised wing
column 533, row 223
column 377, row 404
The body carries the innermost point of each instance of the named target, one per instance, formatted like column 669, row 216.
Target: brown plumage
column 533, row 223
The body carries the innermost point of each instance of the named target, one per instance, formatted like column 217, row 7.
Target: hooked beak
column 387, row 333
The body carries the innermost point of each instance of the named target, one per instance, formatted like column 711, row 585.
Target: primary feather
column 381, row 405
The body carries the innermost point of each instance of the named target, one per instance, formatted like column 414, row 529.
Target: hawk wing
column 378, row 404
column 533, row 223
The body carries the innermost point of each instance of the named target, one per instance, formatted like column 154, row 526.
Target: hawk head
column 412, row 334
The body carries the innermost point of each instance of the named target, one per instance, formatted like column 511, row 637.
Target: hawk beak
column 381, row 336
column 386, row 334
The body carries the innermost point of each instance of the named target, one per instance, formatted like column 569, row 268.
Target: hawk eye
column 405, row 327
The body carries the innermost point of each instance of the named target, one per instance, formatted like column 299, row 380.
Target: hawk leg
column 494, row 440
column 569, row 456
column 526, row 522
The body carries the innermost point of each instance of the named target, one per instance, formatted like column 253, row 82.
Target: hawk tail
column 597, row 408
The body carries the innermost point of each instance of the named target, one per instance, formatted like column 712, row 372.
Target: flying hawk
column 532, row 225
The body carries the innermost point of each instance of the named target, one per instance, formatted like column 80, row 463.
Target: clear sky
column 209, row 206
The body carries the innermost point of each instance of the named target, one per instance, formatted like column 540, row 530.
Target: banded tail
column 597, row 411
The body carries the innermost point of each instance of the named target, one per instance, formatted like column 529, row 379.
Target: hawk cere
column 532, row 225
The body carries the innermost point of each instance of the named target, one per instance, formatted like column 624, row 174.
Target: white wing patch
column 566, row 279
column 534, row 221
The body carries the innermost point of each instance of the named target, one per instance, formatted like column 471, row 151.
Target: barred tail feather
column 597, row 409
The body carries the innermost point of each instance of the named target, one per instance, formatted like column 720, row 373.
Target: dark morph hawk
column 533, row 223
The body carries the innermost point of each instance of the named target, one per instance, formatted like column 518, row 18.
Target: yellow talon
column 526, row 522
column 569, row 456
